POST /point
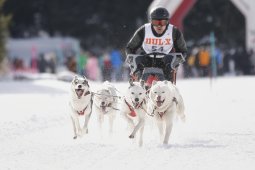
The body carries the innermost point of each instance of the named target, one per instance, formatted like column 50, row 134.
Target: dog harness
column 87, row 93
column 161, row 114
column 132, row 110
column 82, row 112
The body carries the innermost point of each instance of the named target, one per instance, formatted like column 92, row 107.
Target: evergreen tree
column 4, row 20
column 97, row 24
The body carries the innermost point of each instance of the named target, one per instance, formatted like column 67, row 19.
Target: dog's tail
column 181, row 108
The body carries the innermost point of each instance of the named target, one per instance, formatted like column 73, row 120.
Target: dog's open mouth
column 79, row 92
column 160, row 102
column 103, row 107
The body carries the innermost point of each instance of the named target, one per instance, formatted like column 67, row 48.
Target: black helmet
column 159, row 13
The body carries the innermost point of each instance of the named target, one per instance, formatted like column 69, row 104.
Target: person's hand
column 176, row 62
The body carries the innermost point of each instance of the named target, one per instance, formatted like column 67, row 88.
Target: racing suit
column 144, row 39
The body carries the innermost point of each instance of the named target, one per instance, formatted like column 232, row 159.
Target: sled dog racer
column 157, row 36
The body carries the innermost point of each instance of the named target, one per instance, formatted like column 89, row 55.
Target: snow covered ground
column 219, row 134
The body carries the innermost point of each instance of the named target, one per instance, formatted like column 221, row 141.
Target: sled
column 152, row 73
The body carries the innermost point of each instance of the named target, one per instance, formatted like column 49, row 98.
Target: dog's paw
column 164, row 146
column 165, row 143
column 140, row 143
column 80, row 133
column 131, row 136
column 84, row 131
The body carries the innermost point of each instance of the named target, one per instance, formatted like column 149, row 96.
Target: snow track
column 36, row 132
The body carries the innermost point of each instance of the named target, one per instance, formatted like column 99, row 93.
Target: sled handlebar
column 177, row 59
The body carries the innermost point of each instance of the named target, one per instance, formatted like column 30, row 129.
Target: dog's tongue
column 103, row 108
column 79, row 92
column 159, row 103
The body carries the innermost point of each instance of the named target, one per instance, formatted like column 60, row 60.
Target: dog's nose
column 79, row 86
column 103, row 103
column 137, row 99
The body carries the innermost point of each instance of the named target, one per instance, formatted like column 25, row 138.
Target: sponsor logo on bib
column 157, row 41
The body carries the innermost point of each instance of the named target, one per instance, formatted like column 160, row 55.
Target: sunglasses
column 159, row 22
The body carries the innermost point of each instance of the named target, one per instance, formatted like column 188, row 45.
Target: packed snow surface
column 219, row 133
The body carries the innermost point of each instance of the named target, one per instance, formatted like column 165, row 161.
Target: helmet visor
column 155, row 22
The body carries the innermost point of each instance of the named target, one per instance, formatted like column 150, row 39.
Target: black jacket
column 134, row 46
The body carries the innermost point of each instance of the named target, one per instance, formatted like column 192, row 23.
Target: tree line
column 110, row 23
column 4, row 21
column 99, row 23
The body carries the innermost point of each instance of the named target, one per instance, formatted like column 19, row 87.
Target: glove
column 177, row 61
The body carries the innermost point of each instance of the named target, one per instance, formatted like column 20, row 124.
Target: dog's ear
column 131, row 82
column 142, row 83
column 86, row 82
column 154, row 82
column 75, row 79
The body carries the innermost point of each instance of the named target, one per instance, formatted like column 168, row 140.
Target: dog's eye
column 140, row 93
column 155, row 92
column 76, row 81
column 132, row 93
column 163, row 91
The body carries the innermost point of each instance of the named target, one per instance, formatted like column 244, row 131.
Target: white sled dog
column 105, row 103
column 165, row 102
column 134, row 107
column 80, row 104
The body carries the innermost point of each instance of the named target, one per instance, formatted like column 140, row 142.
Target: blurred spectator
column 92, row 68
column 116, row 60
column 126, row 71
column 229, row 63
column 106, row 67
column 219, row 61
column 238, row 57
column 82, row 63
column 252, row 59
column 51, row 60
column 71, row 64
column 247, row 63
column 204, row 61
column 18, row 64
column 191, row 67
column 42, row 63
